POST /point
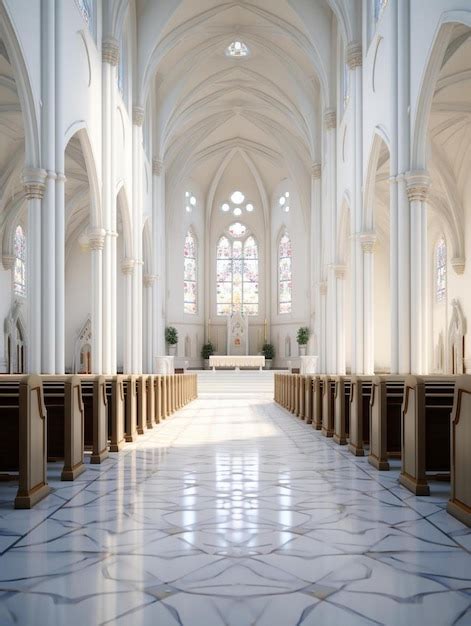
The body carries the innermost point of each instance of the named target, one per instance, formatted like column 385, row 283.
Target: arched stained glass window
column 19, row 267
column 190, row 260
column 440, row 270
column 237, row 274
column 284, row 274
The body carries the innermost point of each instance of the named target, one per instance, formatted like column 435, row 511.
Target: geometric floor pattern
column 233, row 513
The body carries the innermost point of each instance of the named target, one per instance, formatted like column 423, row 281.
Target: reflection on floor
column 233, row 513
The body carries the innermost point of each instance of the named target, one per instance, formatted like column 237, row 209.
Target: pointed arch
column 125, row 216
column 379, row 142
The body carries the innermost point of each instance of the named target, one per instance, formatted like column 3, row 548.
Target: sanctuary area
column 235, row 287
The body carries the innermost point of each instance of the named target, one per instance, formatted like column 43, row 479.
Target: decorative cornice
column 157, row 167
column 127, row 266
column 340, row 271
column 323, row 288
column 316, row 170
column 354, row 56
column 330, row 119
column 368, row 242
column 458, row 264
column 110, row 51
column 96, row 239
column 8, row 261
column 148, row 280
column 61, row 177
column 34, row 183
column 418, row 185
column 137, row 115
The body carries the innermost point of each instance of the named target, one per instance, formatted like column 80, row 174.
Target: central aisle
column 235, row 513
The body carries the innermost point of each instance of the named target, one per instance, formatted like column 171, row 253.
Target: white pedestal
column 309, row 364
column 164, row 365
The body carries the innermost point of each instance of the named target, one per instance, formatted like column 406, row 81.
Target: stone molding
column 330, row 119
column 368, row 242
column 127, row 266
column 157, row 167
column 353, row 55
column 323, row 288
column 148, row 280
column 8, row 261
column 458, row 264
column 340, row 271
column 110, row 51
column 96, row 239
column 34, row 183
column 418, row 185
column 137, row 115
column 316, row 170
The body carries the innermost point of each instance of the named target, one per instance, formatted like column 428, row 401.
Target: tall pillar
column 148, row 281
column 354, row 62
column 158, row 238
column 127, row 268
column 340, row 288
column 96, row 240
column 316, row 247
column 34, row 185
column 330, row 123
column 368, row 241
column 110, row 60
column 323, row 320
column 137, row 120
column 418, row 184
column 48, row 221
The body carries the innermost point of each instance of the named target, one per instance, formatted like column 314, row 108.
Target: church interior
column 235, row 369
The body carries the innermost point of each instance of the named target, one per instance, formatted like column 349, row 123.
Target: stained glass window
column 19, row 267
column 284, row 274
column 379, row 8
column 237, row 273
column 440, row 270
column 84, row 6
column 190, row 270
column 237, row 229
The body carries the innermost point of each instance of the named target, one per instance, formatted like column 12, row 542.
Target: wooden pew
column 328, row 401
column 342, row 409
column 426, row 414
column 459, row 504
column 151, row 418
column 23, row 437
column 360, row 414
column 65, row 423
column 308, row 398
column 317, row 401
column 115, row 396
column 387, row 395
column 130, row 413
column 158, row 391
column 141, row 404
column 95, row 402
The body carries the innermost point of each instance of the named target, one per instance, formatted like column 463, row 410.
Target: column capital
column 96, row 239
column 316, row 170
column 418, row 184
column 368, row 241
column 340, row 271
column 330, row 119
column 8, row 261
column 323, row 288
column 137, row 115
column 458, row 263
column 110, row 51
column 127, row 266
column 157, row 167
column 148, row 280
column 353, row 55
column 34, row 184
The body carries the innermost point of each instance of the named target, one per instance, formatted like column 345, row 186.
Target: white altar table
column 236, row 361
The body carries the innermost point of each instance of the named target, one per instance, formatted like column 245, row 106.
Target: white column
column 34, row 185
column 148, row 282
column 110, row 59
column 323, row 320
column 137, row 119
column 354, row 62
column 340, row 288
column 418, row 184
column 330, row 123
column 96, row 239
column 158, row 238
column 368, row 241
column 127, row 268
column 316, row 247
column 48, row 221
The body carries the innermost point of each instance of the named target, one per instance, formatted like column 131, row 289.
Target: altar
column 236, row 361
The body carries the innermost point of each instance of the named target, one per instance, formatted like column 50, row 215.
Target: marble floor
column 233, row 513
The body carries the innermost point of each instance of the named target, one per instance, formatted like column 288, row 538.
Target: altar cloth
column 236, row 361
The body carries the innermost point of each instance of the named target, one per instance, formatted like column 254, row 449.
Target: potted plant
column 206, row 351
column 268, row 352
column 171, row 337
column 302, row 338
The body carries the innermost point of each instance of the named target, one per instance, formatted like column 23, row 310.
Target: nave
column 234, row 512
